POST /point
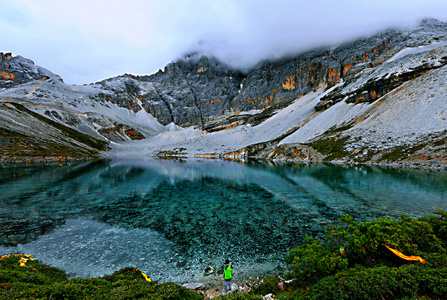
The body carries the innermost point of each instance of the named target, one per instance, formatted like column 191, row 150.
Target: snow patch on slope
column 414, row 110
column 336, row 115
column 416, row 50
column 428, row 57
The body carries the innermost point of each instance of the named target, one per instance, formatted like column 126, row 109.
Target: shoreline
column 22, row 160
column 421, row 165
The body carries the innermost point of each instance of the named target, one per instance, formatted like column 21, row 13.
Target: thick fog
column 89, row 40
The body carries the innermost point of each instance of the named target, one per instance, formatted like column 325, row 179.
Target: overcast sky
column 90, row 40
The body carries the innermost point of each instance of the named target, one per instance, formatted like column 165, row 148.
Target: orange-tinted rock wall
column 7, row 76
column 289, row 83
column 333, row 76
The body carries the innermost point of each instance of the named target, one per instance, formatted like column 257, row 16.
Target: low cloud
column 272, row 30
column 89, row 40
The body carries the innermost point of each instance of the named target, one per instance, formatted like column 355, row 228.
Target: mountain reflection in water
column 174, row 219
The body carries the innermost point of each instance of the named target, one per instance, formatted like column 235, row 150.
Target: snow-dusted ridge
column 76, row 107
column 416, row 50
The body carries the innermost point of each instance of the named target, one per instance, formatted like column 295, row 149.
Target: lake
column 177, row 220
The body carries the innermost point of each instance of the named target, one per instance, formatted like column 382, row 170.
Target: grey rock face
column 188, row 92
column 201, row 91
column 16, row 70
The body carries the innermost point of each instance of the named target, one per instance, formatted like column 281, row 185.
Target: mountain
column 379, row 99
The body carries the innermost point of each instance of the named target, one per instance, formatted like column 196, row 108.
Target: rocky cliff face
column 188, row 92
column 201, row 91
column 18, row 70
column 300, row 101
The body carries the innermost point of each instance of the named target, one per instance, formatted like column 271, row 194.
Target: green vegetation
column 269, row 285
column 34, row 280
column 332, row 147
column 404, row 152
column 401, row 152
column 366, row 269
column 337, row 129
column 240, row 296
column 19, row 145
column 440, row 142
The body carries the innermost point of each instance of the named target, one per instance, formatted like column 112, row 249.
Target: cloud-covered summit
column 86, row 41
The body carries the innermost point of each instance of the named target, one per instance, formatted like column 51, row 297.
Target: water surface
column 176, row 219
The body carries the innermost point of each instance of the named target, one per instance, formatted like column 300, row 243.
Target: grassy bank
column 24, row 278
column 352, row 262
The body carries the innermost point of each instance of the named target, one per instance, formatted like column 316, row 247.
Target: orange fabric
column 411, row 257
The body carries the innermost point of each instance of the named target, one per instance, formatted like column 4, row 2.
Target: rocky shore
column 20, row 160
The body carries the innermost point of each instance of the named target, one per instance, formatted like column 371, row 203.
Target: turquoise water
column 175, row 220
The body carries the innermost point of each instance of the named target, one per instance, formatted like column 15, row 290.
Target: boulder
column 194, row 286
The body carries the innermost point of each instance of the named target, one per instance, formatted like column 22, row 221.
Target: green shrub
column 438, row 223
column 381, row 283
column 313, row 260
column 269, row 285
column 33, row 271
column 127, row 273
column 368, row 270
column 364, row 243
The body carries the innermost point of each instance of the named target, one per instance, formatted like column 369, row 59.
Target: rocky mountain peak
column 16, row 70
column 197, row 62
column 6, row 56
column 432, row 23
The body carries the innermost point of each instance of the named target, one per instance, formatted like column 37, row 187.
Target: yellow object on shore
column 411, row 257
column 23, row 260
column 147, row 277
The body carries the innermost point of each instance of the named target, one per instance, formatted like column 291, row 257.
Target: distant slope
column 28, row 136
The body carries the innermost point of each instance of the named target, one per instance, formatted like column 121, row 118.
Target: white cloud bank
column 89, row 40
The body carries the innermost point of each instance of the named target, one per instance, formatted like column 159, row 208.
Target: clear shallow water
column 174, row 219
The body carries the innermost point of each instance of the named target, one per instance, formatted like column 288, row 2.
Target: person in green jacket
column 227, row 274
